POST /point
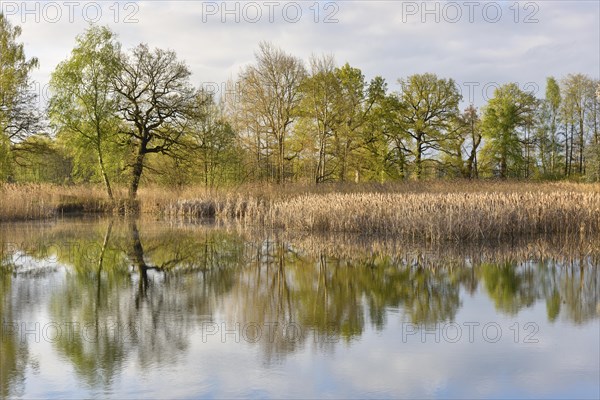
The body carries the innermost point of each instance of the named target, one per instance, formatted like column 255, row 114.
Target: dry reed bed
column 42, row 201
column 438, row 217
column 436, row 211
column 433, row 217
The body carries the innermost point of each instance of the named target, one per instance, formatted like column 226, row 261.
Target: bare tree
column 156, row 99
column 269, row 98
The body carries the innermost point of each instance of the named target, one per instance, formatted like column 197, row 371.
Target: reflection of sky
column 563, row 364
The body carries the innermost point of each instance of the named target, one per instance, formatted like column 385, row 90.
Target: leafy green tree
column 320, row 113
column 210, row 154
column 593, row 125
column 19, row 116
column 83, row 106
column 6, row 164
column 398, row 141
column 336, row 108
column 577, row 91
column 41, row 159
column 508, row 113
column 357, row 101
column 553, row 99
column 459, row 155
column 426, row 112
column 471, row 123
column 548, row 145
column 385, row 151
column 213, row 142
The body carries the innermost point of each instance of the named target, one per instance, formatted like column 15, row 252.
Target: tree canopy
column 127, row 116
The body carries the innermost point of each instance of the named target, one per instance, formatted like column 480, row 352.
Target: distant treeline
column 116, row 117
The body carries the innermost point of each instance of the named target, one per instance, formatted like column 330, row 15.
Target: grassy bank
column 433, row 211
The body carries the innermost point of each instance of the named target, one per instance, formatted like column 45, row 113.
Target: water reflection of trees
column 130, row 294
column 22, row 284
column 14, row 355
column 141, row 289
column 324, row 296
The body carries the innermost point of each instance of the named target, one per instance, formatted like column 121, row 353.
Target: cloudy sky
column 479, row 44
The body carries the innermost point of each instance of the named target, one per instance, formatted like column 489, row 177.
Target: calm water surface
column 117, row 309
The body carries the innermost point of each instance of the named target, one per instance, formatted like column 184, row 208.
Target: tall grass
column 430, row 211
column 41, row 201
column 435, row 211
column 440, row 217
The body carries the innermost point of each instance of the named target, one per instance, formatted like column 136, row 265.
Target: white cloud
column 385, row 38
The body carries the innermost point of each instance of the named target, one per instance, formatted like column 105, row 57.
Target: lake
column 128, row 309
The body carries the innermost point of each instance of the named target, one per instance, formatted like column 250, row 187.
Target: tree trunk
column 566, row 172
column 321, row 164
column 503, row 167
column 104, row 174
column 344, row 163
column 138, row 168
column 571, row 150
column 419, row 157
column 281, row 159
column 553, row 146
column 470, row 164
column 581, row 145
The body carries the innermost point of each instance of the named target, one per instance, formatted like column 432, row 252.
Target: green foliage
column 19, row 116
column 123, row 117
column 40, row 159
column 337, row 106
column 6, row 164
column 83, row 106
column 506, row 120
column 423, row 117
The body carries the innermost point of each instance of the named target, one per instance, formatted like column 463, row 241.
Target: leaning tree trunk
column 104, row 174
column 101, row 162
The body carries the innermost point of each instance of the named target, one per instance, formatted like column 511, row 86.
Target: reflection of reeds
column 565, row 250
